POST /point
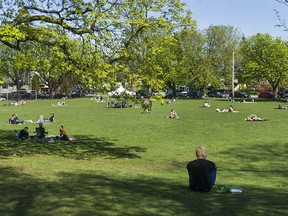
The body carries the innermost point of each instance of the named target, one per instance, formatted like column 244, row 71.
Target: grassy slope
column 125, row 162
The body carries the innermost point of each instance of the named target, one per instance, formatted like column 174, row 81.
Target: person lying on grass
column 253, row 117
column 230, row 109
column 15, row 120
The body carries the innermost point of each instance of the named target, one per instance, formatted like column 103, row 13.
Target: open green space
column 125, row 162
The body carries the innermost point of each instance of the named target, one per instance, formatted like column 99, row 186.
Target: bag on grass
column 229, row 188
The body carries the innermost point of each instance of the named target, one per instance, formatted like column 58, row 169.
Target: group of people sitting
column 18, row 103
column 60, row 103
column 118, row 104
column 15, row 120
column 40, row 133
column 98, row 99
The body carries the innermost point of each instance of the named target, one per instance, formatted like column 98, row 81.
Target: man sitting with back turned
column 202, row 172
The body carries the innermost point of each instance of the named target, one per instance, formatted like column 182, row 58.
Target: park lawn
column 125, row 162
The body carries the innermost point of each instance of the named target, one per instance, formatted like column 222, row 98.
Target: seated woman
column 206, row 104
column 173, row 114
column 231, row 109
column 63, row 134
column 40, row 120
column 253, row 117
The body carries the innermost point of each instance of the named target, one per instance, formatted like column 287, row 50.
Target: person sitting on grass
column 173, row 114
column 231, row 109
column 206, row 104
column 24, row 134
column 253, row 117
column 63, row 134
column 202, row 172
column 15, row 120
column 40, row 131
column 282, row 107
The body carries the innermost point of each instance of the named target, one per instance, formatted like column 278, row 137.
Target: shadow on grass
column 83, row 148
column 260, row 157
column 94, row 194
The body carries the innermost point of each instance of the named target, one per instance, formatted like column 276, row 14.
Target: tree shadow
column 96, row 194
column 83, row 148
column 269, row 154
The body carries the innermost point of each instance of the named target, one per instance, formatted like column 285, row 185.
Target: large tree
column 221, row 41
column 265, row 59
column 194, row 63
column 16, row 65
column 109, row 26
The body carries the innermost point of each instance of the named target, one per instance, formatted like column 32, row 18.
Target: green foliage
column 106, row 34
column 221, row 41
column 17, row 65
column 264, row 59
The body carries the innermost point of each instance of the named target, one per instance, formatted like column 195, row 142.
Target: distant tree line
column 142, row 44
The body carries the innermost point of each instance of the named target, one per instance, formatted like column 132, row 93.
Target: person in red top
column 202, row 172
column 63, row 134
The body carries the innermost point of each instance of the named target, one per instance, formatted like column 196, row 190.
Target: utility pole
column 233, row 75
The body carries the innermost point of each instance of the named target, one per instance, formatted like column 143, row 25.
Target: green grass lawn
column 125, row 162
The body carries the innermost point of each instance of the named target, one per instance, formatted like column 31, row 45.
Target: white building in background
column 9, row 89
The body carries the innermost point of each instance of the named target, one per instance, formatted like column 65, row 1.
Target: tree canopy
column 264, row 59
column 107, row 29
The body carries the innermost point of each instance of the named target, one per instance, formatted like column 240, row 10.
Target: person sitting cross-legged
column 40, row 132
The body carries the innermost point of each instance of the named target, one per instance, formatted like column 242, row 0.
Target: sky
column 248, row 16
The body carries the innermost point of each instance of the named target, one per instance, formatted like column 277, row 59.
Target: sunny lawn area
column 125, row 162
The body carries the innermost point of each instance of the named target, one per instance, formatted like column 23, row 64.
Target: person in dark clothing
column 51, row 119
column 202, row 172
column 24, row 134
column 40, row 131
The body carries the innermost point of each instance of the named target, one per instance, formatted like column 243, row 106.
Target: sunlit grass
column 125, row 162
